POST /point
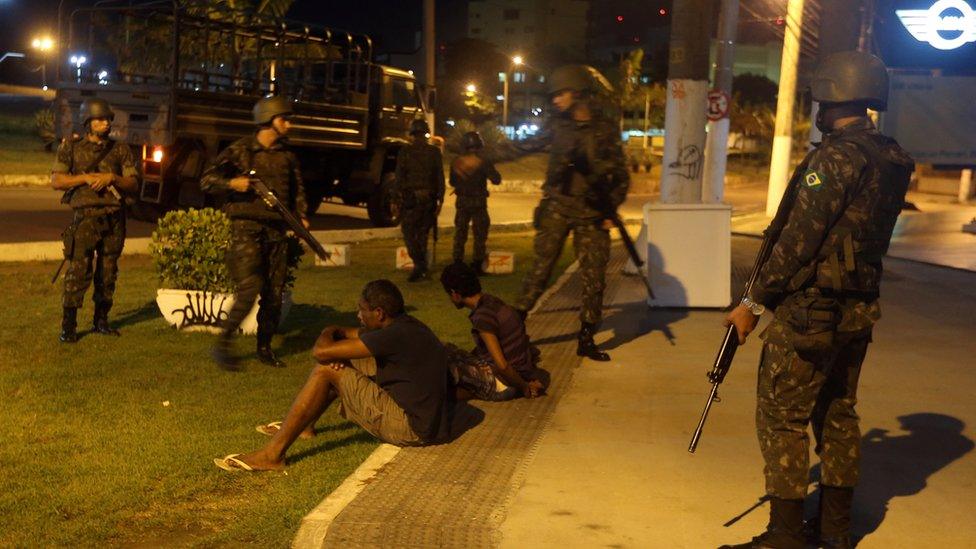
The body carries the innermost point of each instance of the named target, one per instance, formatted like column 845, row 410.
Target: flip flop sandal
column 231, row 463
column 270, row 429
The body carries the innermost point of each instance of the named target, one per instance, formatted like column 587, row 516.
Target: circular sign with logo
column 718, row 105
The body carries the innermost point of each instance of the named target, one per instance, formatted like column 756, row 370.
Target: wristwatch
column 757, row 308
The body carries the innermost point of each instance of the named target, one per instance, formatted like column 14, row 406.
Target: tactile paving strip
column 455, row 495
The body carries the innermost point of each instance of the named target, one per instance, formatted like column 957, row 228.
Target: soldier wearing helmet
column 93, row 170
column 470, row 174
column 822, row 282
column 257, row 259
column 586, row 168
column 420, row 183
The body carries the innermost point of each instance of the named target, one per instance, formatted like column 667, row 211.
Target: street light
column 516, row 62
column 43, row 44
column 471, row 88
column 78, row 61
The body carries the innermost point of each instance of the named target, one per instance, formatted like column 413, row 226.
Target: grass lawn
column 92, row 454
column 21, row 150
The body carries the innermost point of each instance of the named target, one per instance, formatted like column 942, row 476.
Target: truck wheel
column 313, row 197
column 382, row 206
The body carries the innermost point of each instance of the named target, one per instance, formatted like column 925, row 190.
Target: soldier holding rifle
column 420, row 181
column 258, row 254
column 91, row 170
column 822, row 282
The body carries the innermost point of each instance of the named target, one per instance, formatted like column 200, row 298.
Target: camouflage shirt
column 586, row 162
column 420, row 170
column 470, row 175
column 849, row 192
column 277, row 166
column 75, row 155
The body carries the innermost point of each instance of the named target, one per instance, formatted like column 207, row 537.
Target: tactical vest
column 418, row 169
column 84, row 196
column 248, row 205
column 849, row 263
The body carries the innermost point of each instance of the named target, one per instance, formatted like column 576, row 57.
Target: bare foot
column 260, row 461
column 271, row 429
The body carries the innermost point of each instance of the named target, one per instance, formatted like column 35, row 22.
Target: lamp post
column 516, row 62
column 78, row 61
column 44, row 45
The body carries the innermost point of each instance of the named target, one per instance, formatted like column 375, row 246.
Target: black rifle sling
column 66, row 198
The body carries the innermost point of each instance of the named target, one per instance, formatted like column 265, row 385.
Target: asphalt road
column 29, row 214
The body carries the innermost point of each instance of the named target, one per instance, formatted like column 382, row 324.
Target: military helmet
column 95, row 108
column 269, row 107
column 580, row 78
column 851, row 76
column 419, row 126
column 472, row 140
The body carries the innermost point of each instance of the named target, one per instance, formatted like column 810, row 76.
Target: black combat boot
column 69, row 325
column 100, row 322
column 222, row 353
column 586, row 347
column 417, row 275
column 478, row 267
column 265, row 354
column 835, row 517
column 784, row 530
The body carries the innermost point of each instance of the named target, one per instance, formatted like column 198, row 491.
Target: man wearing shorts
column 408, row 402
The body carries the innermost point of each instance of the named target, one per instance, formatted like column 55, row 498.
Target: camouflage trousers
column 416, row 223
column 258, row 263
column 92, row 246
column 796, row 390
column 592, row 245
column 477, row 216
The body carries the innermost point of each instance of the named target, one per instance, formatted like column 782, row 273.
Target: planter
column 196, row 311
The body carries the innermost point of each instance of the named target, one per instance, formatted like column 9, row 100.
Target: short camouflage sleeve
column 62, row 160
column 824, row 190
column 127, row 160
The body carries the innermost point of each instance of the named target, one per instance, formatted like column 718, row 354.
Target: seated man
column 501, row 342
column 407, row 405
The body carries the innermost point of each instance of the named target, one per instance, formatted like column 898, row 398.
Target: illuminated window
column 518, row 76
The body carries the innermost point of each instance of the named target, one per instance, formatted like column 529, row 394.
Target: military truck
column 183, row 76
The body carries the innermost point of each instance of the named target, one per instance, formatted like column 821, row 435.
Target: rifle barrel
column 712, row 397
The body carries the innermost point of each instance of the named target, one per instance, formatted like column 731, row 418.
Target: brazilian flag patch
column 813, row 179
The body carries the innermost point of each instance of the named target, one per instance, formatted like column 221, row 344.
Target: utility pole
column 430, row 67
column 841, row 23
column 717, row 148
column 779, row 165
column 688, row 244
column 647, row 114
column 684, row 113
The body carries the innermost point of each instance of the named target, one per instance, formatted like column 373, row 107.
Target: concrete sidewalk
column 602, row 461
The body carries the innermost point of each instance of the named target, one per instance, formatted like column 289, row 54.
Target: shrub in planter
column 188, row 249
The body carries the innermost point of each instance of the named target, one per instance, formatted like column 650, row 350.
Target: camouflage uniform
column 420, row 183
column 586, row 159
column 257, row 258
column 469, row 176
column 93, row 241
column 823, row 280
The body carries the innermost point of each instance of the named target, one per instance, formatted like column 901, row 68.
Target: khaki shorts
column 363, row 402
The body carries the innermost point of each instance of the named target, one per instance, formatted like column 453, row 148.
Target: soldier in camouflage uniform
column 258, row 254
column 822, row 281
column 420, row 184
column 470, row 174
column 586, row 168
column 91, row 170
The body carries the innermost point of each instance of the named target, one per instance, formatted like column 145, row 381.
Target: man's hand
column 241, row 184
column 305, row 223
column 337, row 366
column 532, row 389
column 607, row 224
column 98, row 181
column 744, row 321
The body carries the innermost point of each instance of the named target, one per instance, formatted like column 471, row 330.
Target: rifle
column 434, row 211
column 730, row 343
column 293, row 223
column 602, row 204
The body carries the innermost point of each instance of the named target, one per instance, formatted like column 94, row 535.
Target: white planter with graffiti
column 196, row 311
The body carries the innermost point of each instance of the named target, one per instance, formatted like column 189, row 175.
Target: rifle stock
column 293, row 223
